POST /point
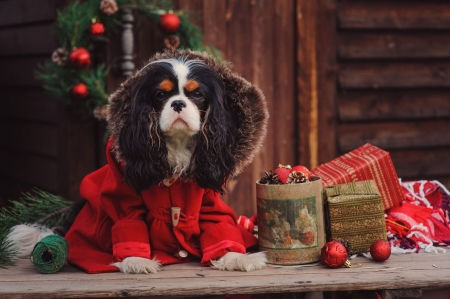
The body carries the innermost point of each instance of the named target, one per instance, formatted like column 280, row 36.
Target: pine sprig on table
column 7, row 252
column 34, row 207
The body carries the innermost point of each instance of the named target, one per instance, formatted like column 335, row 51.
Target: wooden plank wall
column 394, row 83
column 41, row 142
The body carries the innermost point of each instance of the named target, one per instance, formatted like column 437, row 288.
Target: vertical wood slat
column 239, row 38
column 283, row 113
column 263, row 71
column 215, row 24
column 307, row 82
column 316, row 79
column 327, row 78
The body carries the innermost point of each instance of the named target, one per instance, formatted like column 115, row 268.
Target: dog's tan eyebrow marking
column 191, row 85
column 166, row 85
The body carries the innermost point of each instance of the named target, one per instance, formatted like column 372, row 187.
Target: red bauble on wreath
column 80, row 91
column 80, row 58
column 170, row 23
column 334, row 254
column 380, row 250
column 97, row 29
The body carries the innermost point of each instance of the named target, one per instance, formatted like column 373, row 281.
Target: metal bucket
column 291, row 226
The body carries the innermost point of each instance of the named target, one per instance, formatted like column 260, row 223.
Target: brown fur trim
column 246, row 101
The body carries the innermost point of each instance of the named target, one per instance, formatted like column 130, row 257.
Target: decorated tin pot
column 291, row 222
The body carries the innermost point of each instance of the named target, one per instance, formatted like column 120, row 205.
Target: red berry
column 97, row 29
column 302, row 169
column 80, row 91
column 283, row 173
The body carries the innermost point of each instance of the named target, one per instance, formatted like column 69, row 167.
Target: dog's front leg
column 240, row 261
column 138, row 265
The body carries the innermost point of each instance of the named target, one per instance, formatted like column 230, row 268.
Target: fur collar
column 246, row 101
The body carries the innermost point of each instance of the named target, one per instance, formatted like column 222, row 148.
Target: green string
column 50, row 254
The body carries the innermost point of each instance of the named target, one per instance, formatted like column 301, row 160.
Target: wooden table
column 399, row 272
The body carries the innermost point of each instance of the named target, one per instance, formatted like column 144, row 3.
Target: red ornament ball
column 334, row 254
column 80, row 58
column 97, row 29
column 283, row 173
column 170, row 23
column 380, row 250
column 80, row 91
column 302, row 169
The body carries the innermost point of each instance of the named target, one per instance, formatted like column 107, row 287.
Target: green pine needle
column 7, row 252
column 32, row 207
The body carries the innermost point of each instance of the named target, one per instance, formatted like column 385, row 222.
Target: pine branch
column 32, row 207
column 53, row 215
column 7, row 252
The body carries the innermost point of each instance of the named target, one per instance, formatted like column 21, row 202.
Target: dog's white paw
column 138, row 265
column 241, row 261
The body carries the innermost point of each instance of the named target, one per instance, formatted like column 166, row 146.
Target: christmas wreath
column 71, row 75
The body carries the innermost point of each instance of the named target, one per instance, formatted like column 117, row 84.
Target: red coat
column 115, row 223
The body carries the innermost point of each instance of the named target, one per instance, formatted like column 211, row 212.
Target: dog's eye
column 197, row 94
column 160, row 95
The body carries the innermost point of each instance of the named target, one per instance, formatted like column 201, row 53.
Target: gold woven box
column 356, row 214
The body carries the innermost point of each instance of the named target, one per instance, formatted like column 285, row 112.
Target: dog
column 180, row 127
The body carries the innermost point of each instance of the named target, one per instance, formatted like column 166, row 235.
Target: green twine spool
column 50, row 254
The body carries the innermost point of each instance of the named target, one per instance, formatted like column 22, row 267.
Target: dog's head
column 185, row 113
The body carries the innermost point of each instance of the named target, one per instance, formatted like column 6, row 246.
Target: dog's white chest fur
column 180, row 147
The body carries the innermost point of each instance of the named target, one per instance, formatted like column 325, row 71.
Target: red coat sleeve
column 127, row 210
column 220, row 233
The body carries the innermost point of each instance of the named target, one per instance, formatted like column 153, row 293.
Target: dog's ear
column 213, row 157
column 143, row 149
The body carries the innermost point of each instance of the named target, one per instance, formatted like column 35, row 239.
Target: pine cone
column 297, row 177
column 60, row 56
column 270, row 178
column 109, row 7
column 348, row 245
column 172, row 41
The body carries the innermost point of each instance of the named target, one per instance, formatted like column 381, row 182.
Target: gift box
column 355, row 213
column 367, row 162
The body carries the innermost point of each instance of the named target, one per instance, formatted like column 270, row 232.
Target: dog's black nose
column 178, row 105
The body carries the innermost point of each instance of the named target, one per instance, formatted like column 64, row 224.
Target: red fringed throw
column 422, row 220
